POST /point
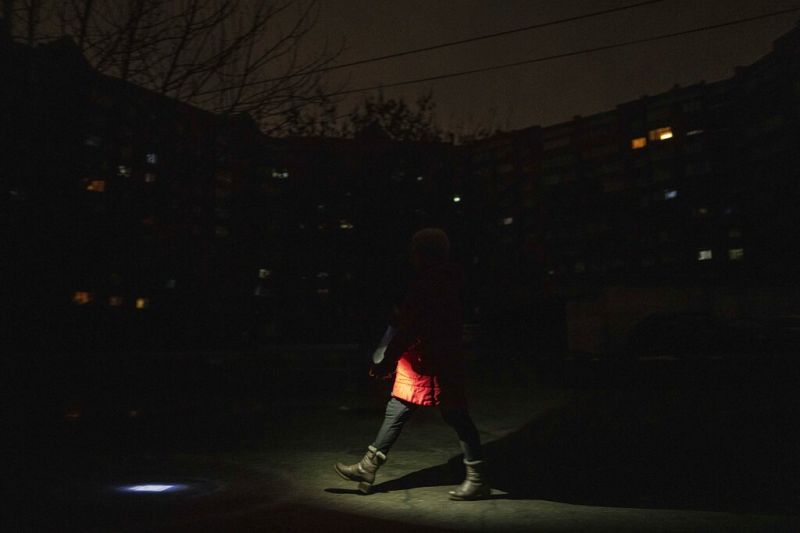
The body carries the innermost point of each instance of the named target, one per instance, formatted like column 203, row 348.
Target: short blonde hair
column 431, row 244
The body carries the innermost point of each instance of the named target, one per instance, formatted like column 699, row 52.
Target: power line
column 566, row 54
column 483, row 37
column 446, row 44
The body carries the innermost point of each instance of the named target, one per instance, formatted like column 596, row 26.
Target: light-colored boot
column 363, row 472
column 475, row 486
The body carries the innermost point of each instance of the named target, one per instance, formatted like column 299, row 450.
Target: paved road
column 591, row 458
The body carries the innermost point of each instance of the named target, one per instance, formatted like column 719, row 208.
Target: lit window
column 456, row 199
column 152, row 158
column 343, row 224
column 639, row 142
column 670, row 194
column 419, row 178
column 281, row 174
column 736, row 254
column 149, row 177
column 142, row 303
column 81, row 297
column 660, row 134
column 115, row 301
column 124, row 171
column 693, row 132
column 704, row 255
column 263, row 273
column 92, row 140
column 508, row 221
column 96, row 186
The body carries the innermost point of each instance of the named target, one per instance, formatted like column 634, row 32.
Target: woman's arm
column 380, row 351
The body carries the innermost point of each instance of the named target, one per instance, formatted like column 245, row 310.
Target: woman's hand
column 381, row 367
column 380, row 372
column 378, row 355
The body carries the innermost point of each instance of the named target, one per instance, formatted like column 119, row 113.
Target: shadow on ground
column 718, row 450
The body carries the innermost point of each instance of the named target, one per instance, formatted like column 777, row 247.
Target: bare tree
column 397, row 119
column 229, row 56
column 23, row 19
column 390, row 118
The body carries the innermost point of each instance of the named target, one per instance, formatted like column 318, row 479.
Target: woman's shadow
column 646, row 453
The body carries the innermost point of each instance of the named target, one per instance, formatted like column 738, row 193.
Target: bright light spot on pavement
column 155, row 487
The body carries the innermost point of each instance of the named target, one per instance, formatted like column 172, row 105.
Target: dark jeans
column 399, row 411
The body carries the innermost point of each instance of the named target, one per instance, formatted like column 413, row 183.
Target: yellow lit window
column 142, row 303
column 264, row 273
column 736, row 254
column 81, row 297
column 115, row 301
column 344, row 224
column 639, row 142
column 96, row 186
column 660, row 134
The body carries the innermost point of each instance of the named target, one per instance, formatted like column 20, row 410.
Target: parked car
column 699, row 335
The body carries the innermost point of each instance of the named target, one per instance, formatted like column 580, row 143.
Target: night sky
column 550, row 92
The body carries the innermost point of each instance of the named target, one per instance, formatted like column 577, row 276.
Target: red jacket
column 430, row 367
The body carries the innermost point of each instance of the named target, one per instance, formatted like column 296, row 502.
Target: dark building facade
column 348, row 208
column 127, row 210
column 694, row 186
column 138, row 221
column 135, row 220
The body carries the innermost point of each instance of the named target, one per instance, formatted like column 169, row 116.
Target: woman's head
column 429, row 246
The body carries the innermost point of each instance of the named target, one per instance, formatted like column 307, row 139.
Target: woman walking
column 423, row 348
